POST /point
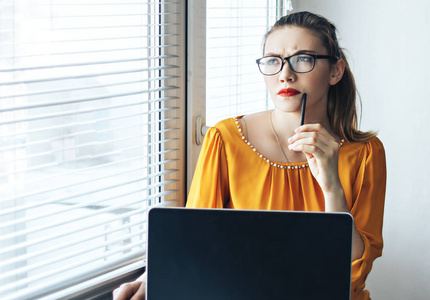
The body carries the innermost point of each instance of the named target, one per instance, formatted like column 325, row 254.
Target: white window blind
column 235, row 31
column 89, row 133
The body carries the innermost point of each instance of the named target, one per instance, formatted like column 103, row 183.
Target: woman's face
column 292, row 40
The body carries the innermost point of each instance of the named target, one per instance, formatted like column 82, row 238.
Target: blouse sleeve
column 368, row 210
column 209, row 188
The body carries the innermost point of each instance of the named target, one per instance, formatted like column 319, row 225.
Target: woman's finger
column 140, row 293
column 130, row 291
column 320, row 143
column 314, row 128
column 311, row 138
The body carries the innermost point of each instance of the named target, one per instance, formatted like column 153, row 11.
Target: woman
column 327, row 164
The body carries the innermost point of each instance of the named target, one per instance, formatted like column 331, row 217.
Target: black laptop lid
column 196, row 254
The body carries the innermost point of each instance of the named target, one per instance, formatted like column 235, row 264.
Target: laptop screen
column 248, row 254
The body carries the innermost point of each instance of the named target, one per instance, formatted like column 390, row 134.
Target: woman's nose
column 286, row 73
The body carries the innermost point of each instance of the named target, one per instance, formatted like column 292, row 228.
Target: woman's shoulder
column 225, row 126
column 372, row 148
column 225, row 123
column 238, row 123
column 225, row 130
column 255, row 118
column 375, row 148
column 249, row 117
column 373, row 144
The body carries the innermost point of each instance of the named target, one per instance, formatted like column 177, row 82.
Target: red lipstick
column 288, row 92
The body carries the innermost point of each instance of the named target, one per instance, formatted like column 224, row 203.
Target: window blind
column 89, row 135
column 235, row 31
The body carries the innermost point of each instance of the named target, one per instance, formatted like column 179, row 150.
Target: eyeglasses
column 299, row 63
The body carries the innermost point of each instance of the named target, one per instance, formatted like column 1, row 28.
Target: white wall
column 389, row 42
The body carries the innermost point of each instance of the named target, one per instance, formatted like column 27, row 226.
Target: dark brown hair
column 341, row 102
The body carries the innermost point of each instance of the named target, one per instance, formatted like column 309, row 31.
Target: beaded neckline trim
column 289, row 166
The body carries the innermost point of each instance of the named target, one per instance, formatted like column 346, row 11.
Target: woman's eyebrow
column 272, row 54
column 297, row 52
column 306, row 52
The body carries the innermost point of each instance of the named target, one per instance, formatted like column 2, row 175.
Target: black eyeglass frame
column 283, row 59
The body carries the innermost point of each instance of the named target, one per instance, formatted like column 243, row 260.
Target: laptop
column 223, row 254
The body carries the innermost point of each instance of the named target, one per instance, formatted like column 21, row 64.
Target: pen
column 302, row 116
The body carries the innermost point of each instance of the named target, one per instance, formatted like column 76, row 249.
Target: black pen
column 302, row 116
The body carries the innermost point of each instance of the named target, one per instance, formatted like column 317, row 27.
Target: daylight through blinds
column 88, row 104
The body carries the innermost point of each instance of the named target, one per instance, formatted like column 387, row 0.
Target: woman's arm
column 322, row 154
column 210, row 185
column 363, row 193
column 336, row 202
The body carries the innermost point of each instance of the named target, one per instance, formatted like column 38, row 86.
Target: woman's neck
column 285, row 123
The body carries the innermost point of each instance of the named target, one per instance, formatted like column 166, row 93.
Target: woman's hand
column 130, row 291
column 322, row 152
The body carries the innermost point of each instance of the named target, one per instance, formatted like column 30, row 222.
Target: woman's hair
column 341, row 102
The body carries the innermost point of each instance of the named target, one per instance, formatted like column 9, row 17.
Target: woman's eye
column 272, row 61
column 305, row 58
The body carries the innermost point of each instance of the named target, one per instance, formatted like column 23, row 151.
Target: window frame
column 196, row 83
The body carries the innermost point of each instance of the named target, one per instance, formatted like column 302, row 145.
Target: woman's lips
column 288, row 92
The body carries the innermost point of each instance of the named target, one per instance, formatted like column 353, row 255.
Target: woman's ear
column 337, row 71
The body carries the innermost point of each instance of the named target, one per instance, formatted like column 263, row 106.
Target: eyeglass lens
column 300, row 63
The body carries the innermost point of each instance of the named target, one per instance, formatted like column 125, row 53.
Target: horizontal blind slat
column 59, row 28
column 80, row 100
column 83, row 205
column 49, row 201
column 77, row 134
column 99, row 51
column 82, row 111
column 83, row 250
column 87, row 238
column 84, row 145
column 69, row 173
column 82, row 158
column 243, row 86
column 106, row 39
column 240, row 47
column 53, row 17
column 94, row 224
column 50, row 4
column 89, row 87
column 235, row 28
column 166, row 67
column 83, row 123
column 55, row 200
column 80, row 64
column 89, row 169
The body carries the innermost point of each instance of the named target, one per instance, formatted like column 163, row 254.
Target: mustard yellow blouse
column 231, row 173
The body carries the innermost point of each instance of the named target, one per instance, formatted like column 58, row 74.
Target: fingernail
column 290, row 139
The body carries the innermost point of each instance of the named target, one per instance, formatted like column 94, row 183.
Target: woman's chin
column 287, row 107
